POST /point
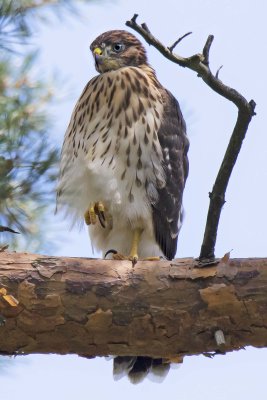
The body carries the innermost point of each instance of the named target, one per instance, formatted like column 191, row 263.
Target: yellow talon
column 92, row 214
column 100, row 206
column 96, row 210
column 87, row 218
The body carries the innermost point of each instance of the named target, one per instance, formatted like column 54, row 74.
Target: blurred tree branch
column 28, row 156
column 246, row 110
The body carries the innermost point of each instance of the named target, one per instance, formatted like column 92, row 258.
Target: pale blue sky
column 240, row 31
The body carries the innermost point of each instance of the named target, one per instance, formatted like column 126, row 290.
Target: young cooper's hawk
column 124, row 158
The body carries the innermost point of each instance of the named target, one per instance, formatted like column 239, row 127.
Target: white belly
column 114, row 160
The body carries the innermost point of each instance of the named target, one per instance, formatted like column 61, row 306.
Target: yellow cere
column 98, row 51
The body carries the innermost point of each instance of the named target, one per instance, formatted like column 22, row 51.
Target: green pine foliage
column 28, row 158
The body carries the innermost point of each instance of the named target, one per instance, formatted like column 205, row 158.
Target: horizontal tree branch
column 160, row 309
column 246, row 110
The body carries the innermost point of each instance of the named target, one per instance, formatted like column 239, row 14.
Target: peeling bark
column 160, row 309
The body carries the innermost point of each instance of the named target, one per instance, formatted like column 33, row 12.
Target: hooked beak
column 103, row 61
column 97, row 51
column 98, row 56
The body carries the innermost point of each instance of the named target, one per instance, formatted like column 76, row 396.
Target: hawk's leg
column 134, row 250
column 133, row 256
column 135, row 243
column 95, row 210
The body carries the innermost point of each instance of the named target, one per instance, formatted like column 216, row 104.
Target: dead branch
column 246, row 110
column 160, row 309
column 171, row 48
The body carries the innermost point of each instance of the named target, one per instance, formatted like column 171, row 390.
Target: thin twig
column 206, row 49
column 134, row 18
column 145, row 27
column 171, row 48
column 246, row 110
column 218, row 71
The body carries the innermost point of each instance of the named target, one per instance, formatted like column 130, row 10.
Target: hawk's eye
column 118, row 47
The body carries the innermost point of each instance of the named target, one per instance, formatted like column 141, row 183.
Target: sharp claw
column 95, row 210
column 111, row 251
column 99, row 210
column 102, row 219
column 134, row 260
column 102, row 214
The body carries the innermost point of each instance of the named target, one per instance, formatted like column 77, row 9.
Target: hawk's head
column 116, row 49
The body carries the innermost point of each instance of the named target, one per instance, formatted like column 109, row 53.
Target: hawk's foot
column 152, row 258
column 95, row 210
column 132, row 257
column 119, row 256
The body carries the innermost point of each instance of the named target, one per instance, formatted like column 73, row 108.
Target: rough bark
column 161, row 309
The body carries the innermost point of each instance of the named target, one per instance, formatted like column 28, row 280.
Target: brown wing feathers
column 167, row 211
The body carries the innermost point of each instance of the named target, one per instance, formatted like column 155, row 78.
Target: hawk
column 124, row 159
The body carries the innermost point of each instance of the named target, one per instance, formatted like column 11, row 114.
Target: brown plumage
column 124, row 161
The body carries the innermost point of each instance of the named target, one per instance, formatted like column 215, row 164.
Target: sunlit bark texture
column 161, row 309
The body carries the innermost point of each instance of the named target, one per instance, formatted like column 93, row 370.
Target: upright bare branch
column 200, row 64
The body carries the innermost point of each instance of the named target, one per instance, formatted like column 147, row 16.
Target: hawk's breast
column 111, row 151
